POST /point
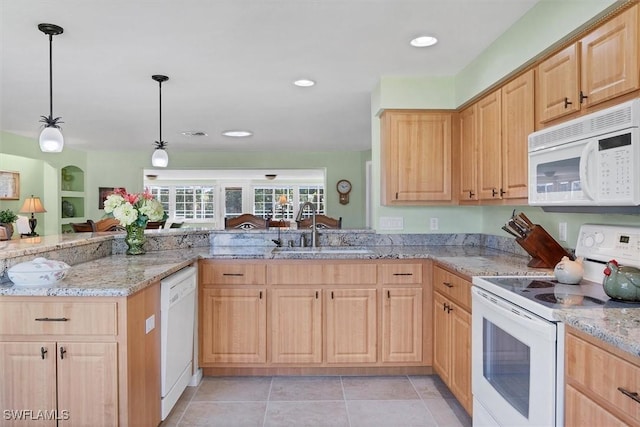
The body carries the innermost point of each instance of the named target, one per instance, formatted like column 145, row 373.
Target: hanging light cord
column 50, row 75
column 160, row 97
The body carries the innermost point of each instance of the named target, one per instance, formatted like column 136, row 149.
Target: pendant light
column 51, row 139
column 160, row 158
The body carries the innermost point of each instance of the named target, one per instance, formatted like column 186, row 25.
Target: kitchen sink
column 321, row 250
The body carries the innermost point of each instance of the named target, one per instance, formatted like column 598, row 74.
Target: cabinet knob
column 43, row 351
column 494, row 192
column 471, row 194
column 567, row 102
column 502, row 192
column 62, row 352
column 582, row 97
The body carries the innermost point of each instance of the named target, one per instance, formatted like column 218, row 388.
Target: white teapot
column 569, row 272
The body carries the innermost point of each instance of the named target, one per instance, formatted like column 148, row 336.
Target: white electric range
column 518, row 345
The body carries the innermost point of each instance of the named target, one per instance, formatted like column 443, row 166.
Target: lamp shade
column 160, row 158
column 51, row 140
column 32, row 205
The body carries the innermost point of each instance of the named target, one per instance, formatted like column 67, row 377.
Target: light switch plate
column 150, row 324
column 562, row 231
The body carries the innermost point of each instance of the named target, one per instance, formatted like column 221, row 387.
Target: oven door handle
column 517, row 315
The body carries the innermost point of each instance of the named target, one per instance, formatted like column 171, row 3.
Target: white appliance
column 177, row 312
column 517, row 365
column 593, row 160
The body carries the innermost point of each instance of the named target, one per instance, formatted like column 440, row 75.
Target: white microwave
column 593, row 160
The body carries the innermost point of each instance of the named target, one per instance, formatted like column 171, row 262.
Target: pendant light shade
column 160, row 157
column 51, row 139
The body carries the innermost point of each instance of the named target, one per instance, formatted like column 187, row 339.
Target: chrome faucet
column 314, row 229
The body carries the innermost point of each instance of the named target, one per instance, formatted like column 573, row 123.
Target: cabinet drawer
column 599, row 373
column 400, row 274
column 233, row 274
column 322, row 274
column 455, row 287
column 58, row 318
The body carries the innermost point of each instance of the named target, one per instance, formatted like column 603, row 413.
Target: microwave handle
column 585, row 161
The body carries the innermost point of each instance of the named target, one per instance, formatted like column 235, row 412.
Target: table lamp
column 32, row 205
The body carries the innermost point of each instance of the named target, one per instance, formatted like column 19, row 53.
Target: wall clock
column 344, row 188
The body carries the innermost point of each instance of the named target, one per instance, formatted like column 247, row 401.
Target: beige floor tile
column 307, row 414
column 179, row 408
column 389, row 413
column 378, row 388
column 448, row 413
column 430, row 387
column 306, row 388
column 224, row 414
column 233, row 389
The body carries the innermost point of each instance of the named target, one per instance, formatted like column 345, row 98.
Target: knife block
column 544, row 250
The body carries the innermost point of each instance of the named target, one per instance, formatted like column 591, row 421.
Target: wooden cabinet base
column 311, row 370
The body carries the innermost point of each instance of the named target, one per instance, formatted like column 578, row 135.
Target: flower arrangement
column 134, row 208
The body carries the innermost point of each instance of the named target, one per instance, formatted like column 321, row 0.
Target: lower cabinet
column 601, row 383
column 313, row 314
column 452, row 334
column 80, row 361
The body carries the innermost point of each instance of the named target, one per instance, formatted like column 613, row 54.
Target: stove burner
column 570, row 299
column 540, row 284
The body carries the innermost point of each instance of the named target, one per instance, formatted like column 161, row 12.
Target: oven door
column 513, row 364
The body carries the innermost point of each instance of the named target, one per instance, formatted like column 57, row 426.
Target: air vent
column 611, row 119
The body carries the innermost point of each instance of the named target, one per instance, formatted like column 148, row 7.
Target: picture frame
column 103, row 193
column 9, row 185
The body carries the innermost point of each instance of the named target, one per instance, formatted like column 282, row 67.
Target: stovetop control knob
column 599, row 237
column 588, row 241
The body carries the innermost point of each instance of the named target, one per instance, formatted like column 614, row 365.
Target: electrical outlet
column 150, row 324
column 562, row 231
column 433, row 224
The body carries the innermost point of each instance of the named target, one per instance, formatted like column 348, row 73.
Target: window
column 232, row 202
column 186, row 202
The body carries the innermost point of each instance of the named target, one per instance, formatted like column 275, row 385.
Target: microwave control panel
column 615, row 168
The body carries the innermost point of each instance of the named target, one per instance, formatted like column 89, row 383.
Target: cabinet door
column 558, row 85
column 610, row 65
column 351, row 326
column 88, row 383
column 468, row 154
column 296, row 325
column 460, row 376
column 581, row 411
column 28, row 380
column 402, row 325
column 441, row 337
column 489, row 143
column 234, row 326
column 416, row 157
column 517, row 123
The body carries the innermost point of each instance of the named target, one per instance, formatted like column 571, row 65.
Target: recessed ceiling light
column 193, row 133
column 424, row 41
column 304, row 83
column 237, row 133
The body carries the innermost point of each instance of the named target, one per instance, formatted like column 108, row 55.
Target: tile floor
column 395, row 401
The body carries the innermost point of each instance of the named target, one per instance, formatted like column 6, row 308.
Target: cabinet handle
column 502, row 192
column 449, row 309
column 260, row 294
column 388, row 294
column 43, row 351
column 630, row 394
column 62, row 352
column 444, row 306
column 396, row 196
column 316, row 294
column 52, row 319
column 471, row 194
column 494, row 192
column 233, row 274
column 331, row 294
column 447, row 284
column 403, row 274
column 582, row 97
column 567, row 102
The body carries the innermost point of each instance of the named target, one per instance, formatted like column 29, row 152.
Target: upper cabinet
column 493, row 142
column 416, row 157
column 600, row 66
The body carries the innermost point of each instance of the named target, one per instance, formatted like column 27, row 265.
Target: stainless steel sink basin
column 321, row 250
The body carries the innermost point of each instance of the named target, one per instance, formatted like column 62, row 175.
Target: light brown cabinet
column 81, row 360
column 313, row 314
column 416, row 157
column 493, row 143
column 452, row 334
column 601, row 383
column 602, row 65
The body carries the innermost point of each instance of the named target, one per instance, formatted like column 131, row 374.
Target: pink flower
column 131, row 198
column 147, row 194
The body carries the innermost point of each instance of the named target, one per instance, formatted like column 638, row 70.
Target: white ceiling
column 230, row 64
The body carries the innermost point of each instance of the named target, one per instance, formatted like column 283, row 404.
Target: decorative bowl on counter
column 38, row 272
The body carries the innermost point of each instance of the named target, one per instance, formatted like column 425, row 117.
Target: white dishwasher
column 177, row 312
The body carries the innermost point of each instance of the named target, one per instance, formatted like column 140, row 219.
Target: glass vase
column 135, row 239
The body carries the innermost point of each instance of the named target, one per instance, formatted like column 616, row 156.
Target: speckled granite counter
column 619, row 327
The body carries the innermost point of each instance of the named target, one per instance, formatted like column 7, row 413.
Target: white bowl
column 38, row 272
